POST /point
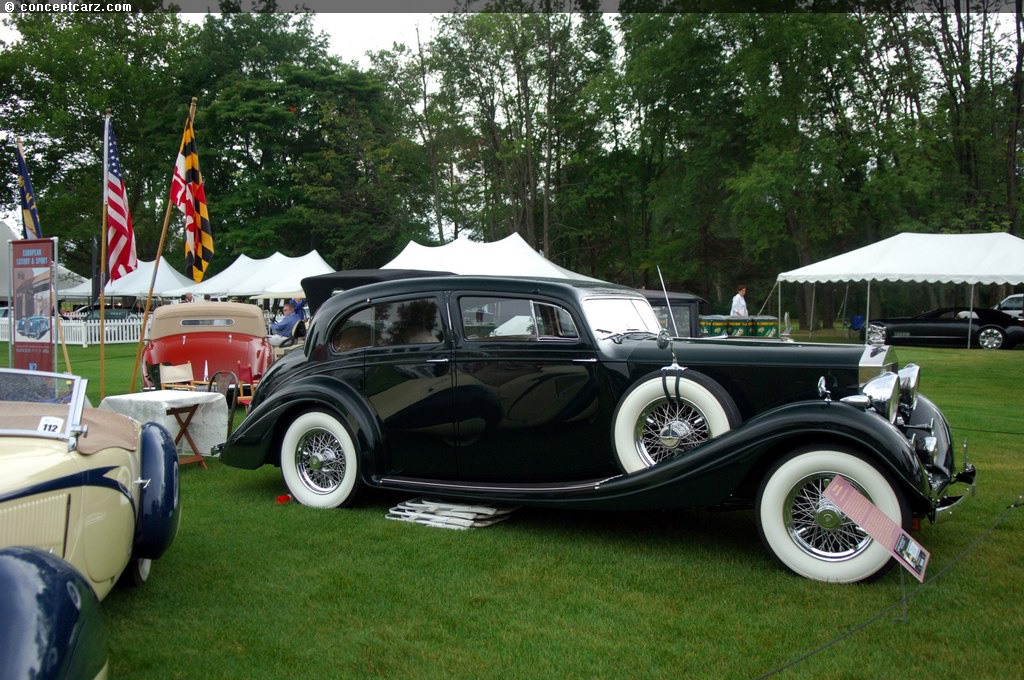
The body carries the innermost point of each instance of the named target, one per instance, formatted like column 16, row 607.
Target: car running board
column 441, row 486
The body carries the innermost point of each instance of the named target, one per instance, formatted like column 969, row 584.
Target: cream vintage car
column 91, row 486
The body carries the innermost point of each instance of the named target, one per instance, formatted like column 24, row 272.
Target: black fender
column 719, row 470
column 52, row 625
column 256, row 441
column 159, row 511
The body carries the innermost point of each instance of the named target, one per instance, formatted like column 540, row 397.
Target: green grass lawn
column 253, row 589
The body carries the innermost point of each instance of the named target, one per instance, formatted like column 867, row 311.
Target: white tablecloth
column 209, row 425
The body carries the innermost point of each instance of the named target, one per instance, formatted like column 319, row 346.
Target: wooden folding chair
column 177, row 377
column 228, row 384
column 247, row 384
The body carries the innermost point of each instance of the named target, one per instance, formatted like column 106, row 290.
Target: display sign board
column 878, row 526
column 33, row 280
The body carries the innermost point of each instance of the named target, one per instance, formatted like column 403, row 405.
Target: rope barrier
column 902, row 602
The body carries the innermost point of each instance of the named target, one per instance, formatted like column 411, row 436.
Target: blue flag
column 29, row 215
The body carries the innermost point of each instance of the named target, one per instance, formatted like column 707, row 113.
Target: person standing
column 739, row 302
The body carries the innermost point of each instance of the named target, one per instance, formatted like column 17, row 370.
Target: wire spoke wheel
column 665, row 415
column 807, row 533
column 320, row 460
column 668, row 427
column 816, row 524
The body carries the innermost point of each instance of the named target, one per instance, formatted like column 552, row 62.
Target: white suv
column 1012, row 305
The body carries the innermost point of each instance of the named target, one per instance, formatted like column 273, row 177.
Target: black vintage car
column 565, row 394
column 678, row 313
column 950, row 327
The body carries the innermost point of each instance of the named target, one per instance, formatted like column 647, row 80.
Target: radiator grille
column 39, row 522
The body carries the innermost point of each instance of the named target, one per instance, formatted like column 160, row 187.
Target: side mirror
column 664, row 339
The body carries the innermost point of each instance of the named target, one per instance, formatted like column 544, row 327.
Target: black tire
column 319, row 461
column 136, row 573
column 809, row 535
column 650, row 426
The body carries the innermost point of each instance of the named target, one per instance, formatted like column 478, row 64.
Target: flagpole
column 156, row 264
column 103, row 253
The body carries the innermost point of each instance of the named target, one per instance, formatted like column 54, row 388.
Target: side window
column 409, row 322
column 354, row 332
column 502, row 319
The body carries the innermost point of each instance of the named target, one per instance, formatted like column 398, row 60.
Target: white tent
column 65, row 277
column 280, row 276
column 928, row 258
column 215, row 286
column 511, row 256
column 136, row 283
column 277, row 276
column 933, row 258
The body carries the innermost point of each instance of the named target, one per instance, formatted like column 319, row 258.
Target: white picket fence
column 87, row 333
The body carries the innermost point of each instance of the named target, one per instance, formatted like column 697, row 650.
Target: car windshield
column 611, row 316
column 19, row 388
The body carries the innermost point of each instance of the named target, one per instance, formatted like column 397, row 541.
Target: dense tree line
column 716, row 147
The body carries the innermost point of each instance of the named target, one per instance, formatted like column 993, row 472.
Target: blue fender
column 52, row 625
column 160, row 504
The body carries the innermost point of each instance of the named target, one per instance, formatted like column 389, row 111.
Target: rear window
column 407, row 322
column 207, row 322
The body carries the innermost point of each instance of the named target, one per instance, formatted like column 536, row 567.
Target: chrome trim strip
column 591, row 485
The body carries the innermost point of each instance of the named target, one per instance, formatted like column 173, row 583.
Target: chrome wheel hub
column 320, row 460
column 667, row 427
column 817, row 526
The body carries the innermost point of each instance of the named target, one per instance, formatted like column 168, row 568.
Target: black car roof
column 320, row 288
column 571, row 288
column 656, row 296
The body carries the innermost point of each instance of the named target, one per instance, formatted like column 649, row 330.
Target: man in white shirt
column 739, row 303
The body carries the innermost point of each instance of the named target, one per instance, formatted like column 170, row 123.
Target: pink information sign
column 878, row 526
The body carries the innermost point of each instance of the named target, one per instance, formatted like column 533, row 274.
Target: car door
column 527, row 392
column 408, row 380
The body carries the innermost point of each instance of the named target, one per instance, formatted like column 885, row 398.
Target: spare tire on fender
column 668, row 412
column 159, row 505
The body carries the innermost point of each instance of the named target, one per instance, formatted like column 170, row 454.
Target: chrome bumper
column 944, row 506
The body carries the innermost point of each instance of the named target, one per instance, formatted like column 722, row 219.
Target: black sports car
column 568, row 394
column 949, row 326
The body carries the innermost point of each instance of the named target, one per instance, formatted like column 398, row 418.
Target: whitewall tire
column 319, row 461
column 658, row 419
column 808, row 534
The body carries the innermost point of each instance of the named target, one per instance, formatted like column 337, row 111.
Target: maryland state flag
column 188, row 195
column 30, row 216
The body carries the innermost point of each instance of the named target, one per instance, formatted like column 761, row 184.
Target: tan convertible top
column 207, row 317
column 106, row 428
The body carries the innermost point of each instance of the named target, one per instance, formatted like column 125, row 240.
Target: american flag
column 121, row 256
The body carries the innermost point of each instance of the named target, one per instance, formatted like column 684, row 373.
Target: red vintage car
column 213, row 336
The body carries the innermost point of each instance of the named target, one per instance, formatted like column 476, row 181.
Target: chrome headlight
column 910, row 378
column 884, row 393
column 875, row 334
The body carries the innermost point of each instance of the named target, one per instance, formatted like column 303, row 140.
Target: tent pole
column 810, row 312
column 779, row 331
column 867, row 309
column 970, row 319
